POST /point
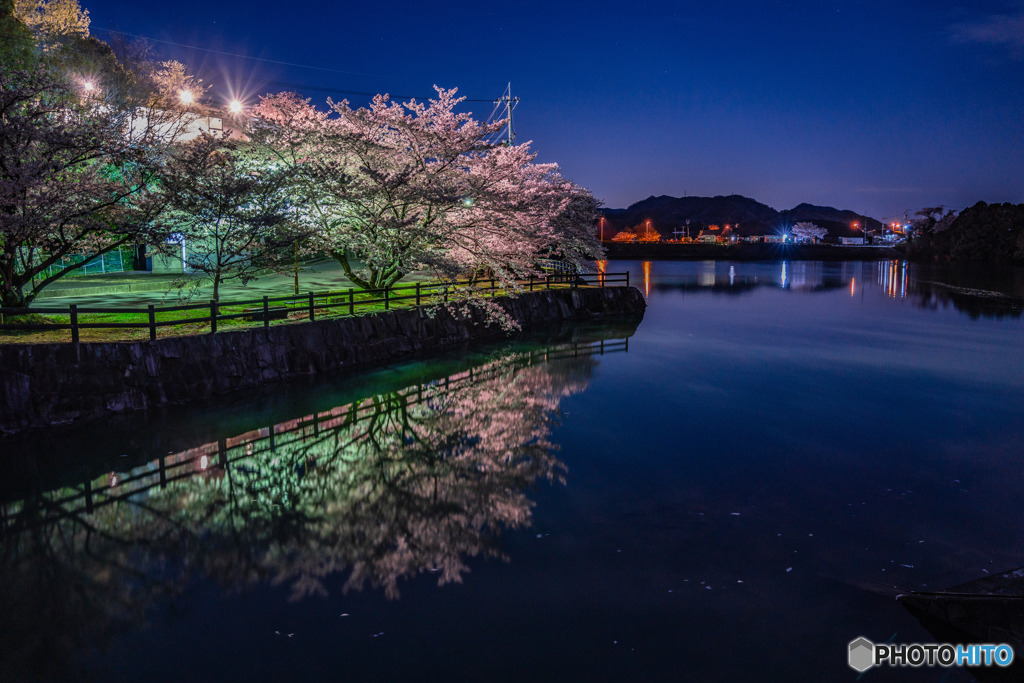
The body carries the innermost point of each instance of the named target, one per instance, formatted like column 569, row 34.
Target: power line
column 342, row 91
column 366, row 93
column 231, row 54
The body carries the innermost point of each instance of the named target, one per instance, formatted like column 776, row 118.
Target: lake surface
column 732, row 489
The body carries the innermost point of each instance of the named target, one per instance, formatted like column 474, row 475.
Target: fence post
column 213, row 316
column 417, row 294
column 547, row 282
column 266, row 312
column 152, row 323
column 74, row 323
column 627, row 278
column 312, row 314
column 492, row 286
column 387, row 303
column 531, row 283
column 351, row 302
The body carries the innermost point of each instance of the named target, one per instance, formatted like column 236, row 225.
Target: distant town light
column 235, row 107
column 185, row 96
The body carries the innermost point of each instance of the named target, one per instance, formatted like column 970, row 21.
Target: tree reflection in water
column 385, row 488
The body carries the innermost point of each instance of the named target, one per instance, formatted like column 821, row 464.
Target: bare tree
column 230, row 207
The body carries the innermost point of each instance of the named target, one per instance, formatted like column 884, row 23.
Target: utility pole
column 510, row 104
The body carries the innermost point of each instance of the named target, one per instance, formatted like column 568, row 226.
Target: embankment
column 47, row 384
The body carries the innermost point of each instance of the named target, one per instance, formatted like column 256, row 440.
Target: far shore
column 668, row 251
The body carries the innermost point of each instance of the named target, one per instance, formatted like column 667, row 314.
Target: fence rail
column 306, row 306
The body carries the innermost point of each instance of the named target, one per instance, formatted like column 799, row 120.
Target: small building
column 851, row 240
column 773, row 239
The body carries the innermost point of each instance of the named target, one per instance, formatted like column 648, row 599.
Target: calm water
column 733, row 489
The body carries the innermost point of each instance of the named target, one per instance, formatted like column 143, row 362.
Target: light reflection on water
column 784, row 448
column 417, row 480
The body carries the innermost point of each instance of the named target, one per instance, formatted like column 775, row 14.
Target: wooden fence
column 307, row 306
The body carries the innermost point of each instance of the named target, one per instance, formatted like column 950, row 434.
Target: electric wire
column 287, row 84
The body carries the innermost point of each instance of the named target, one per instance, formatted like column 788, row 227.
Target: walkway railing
column 307, row 306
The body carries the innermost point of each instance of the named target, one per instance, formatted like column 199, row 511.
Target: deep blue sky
column 879, row 107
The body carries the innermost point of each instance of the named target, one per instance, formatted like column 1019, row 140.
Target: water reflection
column 991, row 292
column 396, row 484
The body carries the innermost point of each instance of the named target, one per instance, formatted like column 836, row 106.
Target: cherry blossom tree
column 396, row 187
column 808, row 231
column 75, row 177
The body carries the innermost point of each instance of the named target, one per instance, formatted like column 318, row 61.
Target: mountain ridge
column 668, row 214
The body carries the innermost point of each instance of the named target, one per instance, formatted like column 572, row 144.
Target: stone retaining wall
column 46, row 384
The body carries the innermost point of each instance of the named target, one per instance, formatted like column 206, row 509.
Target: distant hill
column 668, row 214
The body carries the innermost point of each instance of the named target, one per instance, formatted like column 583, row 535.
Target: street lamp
column 235, row 107
column 186, row 97
column 602, row 228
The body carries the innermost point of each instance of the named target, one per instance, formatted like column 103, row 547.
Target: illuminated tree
column 53, row 17
column 625, row 235
column 808, row 231
column 228, row 206
column 396, row 187
column 646, row 233
column 171, row 81
column 75, row 176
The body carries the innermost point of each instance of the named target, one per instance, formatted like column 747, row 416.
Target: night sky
column 879, row 107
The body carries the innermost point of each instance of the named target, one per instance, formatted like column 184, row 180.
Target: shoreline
column 747, row 252
column 43, row 385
